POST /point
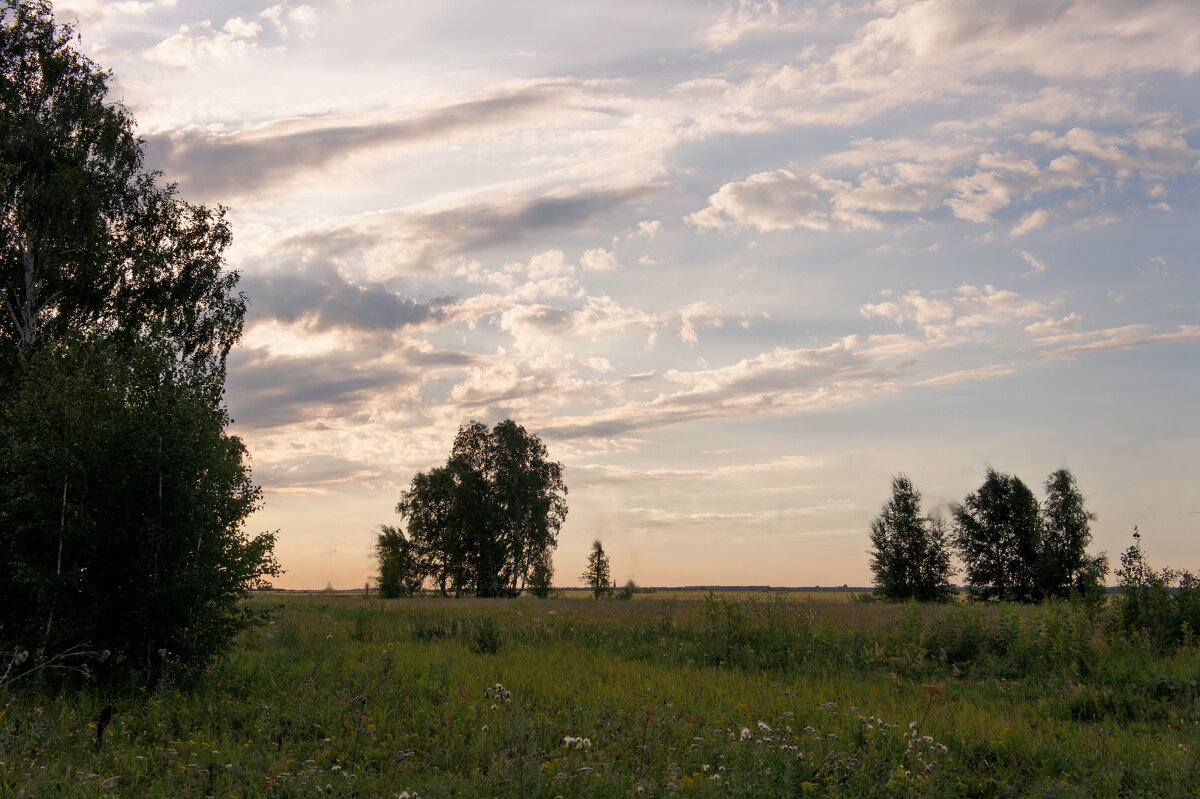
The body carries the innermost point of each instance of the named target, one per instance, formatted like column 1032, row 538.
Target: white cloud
column 967, row 314
column 694, row 317
column 1036, row 265
column 201, row 42
column 598, row 260
column 1030, row 222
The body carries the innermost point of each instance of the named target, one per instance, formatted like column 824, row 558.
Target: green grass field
column 669, row 695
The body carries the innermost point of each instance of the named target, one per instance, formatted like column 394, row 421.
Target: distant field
column 681, row 594
column 742, row 694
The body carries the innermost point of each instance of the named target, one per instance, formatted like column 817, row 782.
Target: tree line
column 1011, row 546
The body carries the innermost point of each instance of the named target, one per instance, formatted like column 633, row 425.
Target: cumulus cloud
column 599, row 260
column 95, row 12
column 770, row 201
column 953, row 318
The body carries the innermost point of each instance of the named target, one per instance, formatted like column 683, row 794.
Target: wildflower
column 746, row 734
column 762, row 725
column 484, row 728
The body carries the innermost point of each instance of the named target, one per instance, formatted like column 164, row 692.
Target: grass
column 664, row 696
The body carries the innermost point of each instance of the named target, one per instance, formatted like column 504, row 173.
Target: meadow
column 709, row 695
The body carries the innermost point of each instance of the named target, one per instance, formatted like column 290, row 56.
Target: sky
column 736, row 264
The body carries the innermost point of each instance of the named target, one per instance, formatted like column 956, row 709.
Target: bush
column 487, row 639
column 1161, row 609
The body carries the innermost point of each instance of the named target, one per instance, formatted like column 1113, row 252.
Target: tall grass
column 715, row 696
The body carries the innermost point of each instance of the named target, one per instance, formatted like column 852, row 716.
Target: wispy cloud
column 220, row 165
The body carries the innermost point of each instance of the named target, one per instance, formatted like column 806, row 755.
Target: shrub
column 1159, row 608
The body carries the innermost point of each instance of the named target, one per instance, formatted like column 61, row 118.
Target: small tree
column 541, row 577
column 911, row 559
column 998, row 533
column 597, row 575
column 1162, row 608
column 401, row 572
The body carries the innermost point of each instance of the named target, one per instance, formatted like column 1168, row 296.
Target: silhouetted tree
column 90, row 242
column 401, row 572
column 1066, row 568
column 482, row 523
column 911, row 557
column 998, row 533
column 597, row 574
column 429, row 507
column 541, row 577
column 122, row 505
column 122, row 497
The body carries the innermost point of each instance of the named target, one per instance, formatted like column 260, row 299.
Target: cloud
column 1118, row 338
column 598, row 260
column 1030, row 222
column 96, row 12
column 980, row 373
column 777, row 382
column 267, row 390
column 967, row 314
column 214, row 164
column 320, row 298
column 694, row 317
column 771, row 201
column 1036, row 265
column 399, row 242
column 745, row 19
column 603, row 474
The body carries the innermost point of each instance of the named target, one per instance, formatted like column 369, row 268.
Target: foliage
column 484, row 522
column 998, row 533
column 1015, row 550
column 400, row 571
column 90, row 243
column 122, row 501
column 597, row 575
column 1162, row 608
column 122, row 498
column 541, row 577
column 1065, row 566
column 911, row 557
column 626, row 592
